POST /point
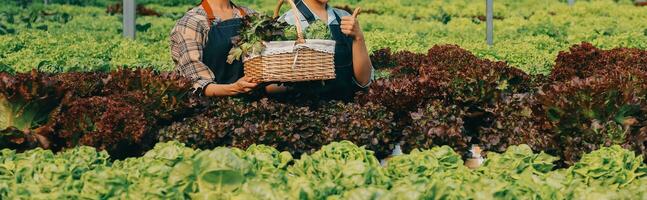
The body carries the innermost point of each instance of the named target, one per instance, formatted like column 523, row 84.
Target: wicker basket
column 292, row 61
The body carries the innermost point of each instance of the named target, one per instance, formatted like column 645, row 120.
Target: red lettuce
column 81, row 84
column 368, row 125
column 287, row 127
column 437, row 124
column 585, row 60
column 107, row 123
column 26, row 100
column 166, row 97
column 448, row 98
column 399, row 63
column 517, row 120
column 600, row 110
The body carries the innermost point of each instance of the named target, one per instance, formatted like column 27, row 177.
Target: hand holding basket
column 292, row 61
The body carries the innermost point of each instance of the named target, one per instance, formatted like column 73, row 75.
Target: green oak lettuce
column 337, row 171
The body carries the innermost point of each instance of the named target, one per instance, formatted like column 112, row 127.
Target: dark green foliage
column 4, row 30
column 256, row 28
column 36, row 17
column 103, row 2
column 316, row 30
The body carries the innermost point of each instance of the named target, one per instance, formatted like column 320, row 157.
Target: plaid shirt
column 188, row 39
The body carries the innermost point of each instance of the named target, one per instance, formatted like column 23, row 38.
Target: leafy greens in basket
column 258, row 28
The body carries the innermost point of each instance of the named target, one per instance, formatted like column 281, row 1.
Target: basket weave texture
column 292, row 61
column 302, row 62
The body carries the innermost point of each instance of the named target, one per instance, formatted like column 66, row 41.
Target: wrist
column 208, row 90
column 232, row 89
column 359, row 37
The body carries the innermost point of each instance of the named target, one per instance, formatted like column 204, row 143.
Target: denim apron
column 342, row 87
column 219, row 42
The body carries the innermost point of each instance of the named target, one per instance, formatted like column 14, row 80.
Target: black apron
column 219, row 42
column 342, row 87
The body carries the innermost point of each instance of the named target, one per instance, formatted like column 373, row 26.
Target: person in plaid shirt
column 200, row 43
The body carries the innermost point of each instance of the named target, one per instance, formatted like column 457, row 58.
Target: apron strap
column 305, row 11
column 207, row 8
column 337, row 17
column 243, row 14
column 211, row 17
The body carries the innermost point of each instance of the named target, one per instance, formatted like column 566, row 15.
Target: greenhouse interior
column 323, row 99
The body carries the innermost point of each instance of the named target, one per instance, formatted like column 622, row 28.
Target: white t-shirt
column 332, row 20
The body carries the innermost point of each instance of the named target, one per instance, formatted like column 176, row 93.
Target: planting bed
column 592, row 98
column 336, row 171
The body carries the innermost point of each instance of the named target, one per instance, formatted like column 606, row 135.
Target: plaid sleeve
column 188, row 39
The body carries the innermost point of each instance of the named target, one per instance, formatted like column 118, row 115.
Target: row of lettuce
column 529, row 33
column 592, row 98
column 340, row 170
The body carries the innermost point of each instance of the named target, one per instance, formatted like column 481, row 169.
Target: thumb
column 247, row 79
column 246, row 84
column 356, row 12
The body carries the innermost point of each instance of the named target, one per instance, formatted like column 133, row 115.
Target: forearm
column 362, row 66
column 220, row 90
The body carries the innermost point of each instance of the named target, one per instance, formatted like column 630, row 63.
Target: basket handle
column 297, row 21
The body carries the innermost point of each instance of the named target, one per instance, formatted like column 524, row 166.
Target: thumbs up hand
column 350, row 26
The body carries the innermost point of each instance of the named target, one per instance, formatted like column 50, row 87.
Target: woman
column 200, row 43
column 353, row 67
